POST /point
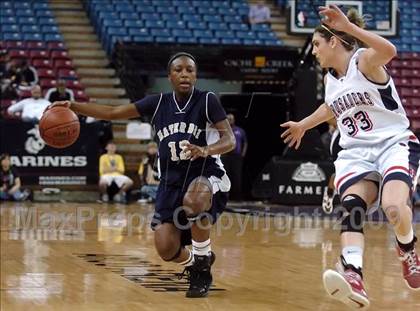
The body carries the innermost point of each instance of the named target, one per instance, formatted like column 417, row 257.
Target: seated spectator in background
column 7, row 77
column 10, row 184
column 27, row 76
column 259, row 14
column 111, row 170
column 32, row 108
column 149, row 175
column 60, row 92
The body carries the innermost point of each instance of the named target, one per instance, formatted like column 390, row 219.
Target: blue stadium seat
column 142, row 2
column 220, row 4
column 44, row 13
column 218, row 26
column 266, row 35
column 233, row 19
column 212, row 41
column 33, row 37
column 230, row 11
column 30, row 29
column 150, row 16
column 225, row 34
column 143, row 39
column 134, row 23
column 246, row 35
column 165, row 39
column 170, row 17
column 231, row 41
column 243, row 11
column 160, row 32
column 166, row 9
column 111, row 23
column 203, row 33
column 138, row 32
column 129, row 15
column 24, row 12
column 273, row 42
column 182, row 32
column 12, row 36
column 202, row 4
column 24, row 20
column 192, row 17
column 260, row 27
column 53, row 37
column 186, row 40
column 10, row 28
column 240, row 4
column 46, row 21
column 212, row 18
column 209, row 10
column 145, row 9
column 253, row 42
column 116, row 31
column 157, row 3
column 24, row 5
column 239, row 27
column 40, row 6
column 5, row 5
column 155, row 24
column 176, row 24
column 7, row 12
column 197, row 25
column 5, row 20
column 186, row 10
column 120, row 7
column 178, row 3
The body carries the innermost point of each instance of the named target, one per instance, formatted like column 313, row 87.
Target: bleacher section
column 28, row 31
column 177, row 22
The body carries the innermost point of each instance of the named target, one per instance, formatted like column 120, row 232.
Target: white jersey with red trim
column 367, row 113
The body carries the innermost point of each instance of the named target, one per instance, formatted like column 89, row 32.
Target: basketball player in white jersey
column 380, row 154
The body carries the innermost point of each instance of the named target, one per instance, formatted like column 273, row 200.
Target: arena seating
column 176, row 21
column 28, row 30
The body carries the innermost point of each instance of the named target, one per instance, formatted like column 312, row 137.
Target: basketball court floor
column 60, row 256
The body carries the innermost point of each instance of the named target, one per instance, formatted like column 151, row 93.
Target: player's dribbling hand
column 293, row 133
column 194, row 152
column 62, row 103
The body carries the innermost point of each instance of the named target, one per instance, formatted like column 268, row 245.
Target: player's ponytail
column 348, row 41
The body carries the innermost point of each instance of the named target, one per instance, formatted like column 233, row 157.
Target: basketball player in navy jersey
column 192, row 131
column 380, row 154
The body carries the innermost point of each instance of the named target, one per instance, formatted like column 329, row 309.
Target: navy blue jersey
column 176, row 123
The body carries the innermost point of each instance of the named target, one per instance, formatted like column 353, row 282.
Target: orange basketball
column 59, row 127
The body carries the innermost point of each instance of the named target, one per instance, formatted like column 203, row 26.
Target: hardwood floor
column 101, row 257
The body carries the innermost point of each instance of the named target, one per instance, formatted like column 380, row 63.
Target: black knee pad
column 354, row 213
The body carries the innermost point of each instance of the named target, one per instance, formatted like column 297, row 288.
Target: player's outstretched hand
column 293, row 133
column 334, row 17
column 194, row 152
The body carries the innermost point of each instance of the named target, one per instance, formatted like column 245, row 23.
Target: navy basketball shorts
column 168, row 208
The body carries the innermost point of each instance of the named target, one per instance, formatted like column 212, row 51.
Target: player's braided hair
column 348, row 41
column 177, row 55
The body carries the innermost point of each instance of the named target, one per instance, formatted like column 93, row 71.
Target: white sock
column 353, row 256
column 201, row 248
column 406, row 239
column 190, row 259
